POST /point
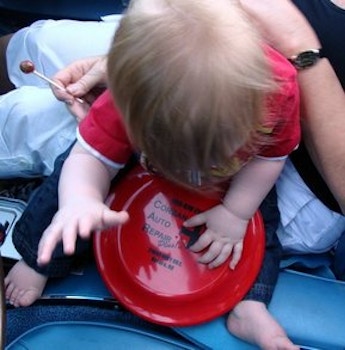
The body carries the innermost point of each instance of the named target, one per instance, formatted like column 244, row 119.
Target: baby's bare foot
column 23, row 285
column 252, row 322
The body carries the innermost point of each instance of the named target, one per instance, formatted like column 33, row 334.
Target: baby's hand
column 224, row 235
column 81, row 217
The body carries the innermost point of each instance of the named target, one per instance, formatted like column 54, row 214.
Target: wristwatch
column 306, row 59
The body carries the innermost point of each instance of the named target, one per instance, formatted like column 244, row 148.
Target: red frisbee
column 146, row 263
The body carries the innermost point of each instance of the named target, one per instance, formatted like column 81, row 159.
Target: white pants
column 34, row 127
column 307, row 226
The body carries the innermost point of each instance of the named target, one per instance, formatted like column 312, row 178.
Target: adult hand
column 282, row 25
column 84, row 78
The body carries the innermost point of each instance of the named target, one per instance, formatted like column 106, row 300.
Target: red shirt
column 103, row 132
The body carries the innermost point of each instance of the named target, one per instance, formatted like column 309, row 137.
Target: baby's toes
column 10, row 287
column 27, row 297
column 14, row 296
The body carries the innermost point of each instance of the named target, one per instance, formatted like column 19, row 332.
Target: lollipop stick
column 52, row 82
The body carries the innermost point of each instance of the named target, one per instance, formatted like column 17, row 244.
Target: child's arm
column 227, row 223
column 83, row 186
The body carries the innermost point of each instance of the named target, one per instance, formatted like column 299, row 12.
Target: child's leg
column 25, row 282
column 250, row 320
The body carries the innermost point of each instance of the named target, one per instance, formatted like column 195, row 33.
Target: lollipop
column 28, row 67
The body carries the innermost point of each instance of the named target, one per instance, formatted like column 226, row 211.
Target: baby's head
column 190, row 78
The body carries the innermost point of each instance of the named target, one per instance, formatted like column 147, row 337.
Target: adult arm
column 322, row 97
column 323, row 125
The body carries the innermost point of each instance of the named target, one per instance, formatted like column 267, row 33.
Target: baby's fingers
column 114, row 218
column 236, row 254
column 223, row 255
column 69, row 238
column 50, row 238
column 196, row 220
column 212, row 253
column 203, row 242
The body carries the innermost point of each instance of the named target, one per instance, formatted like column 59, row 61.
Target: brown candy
column 27, row 66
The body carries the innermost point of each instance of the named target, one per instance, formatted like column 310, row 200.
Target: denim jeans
column 263, row 288
column 339, row 261
column 37, row 216
column 44, row 204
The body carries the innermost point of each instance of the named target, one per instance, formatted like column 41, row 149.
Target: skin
column 83, row 78
column 6, row 84
column 339, row 3
column 249, row 320
column 89, row 179
column 323, row 124
column 248, row 189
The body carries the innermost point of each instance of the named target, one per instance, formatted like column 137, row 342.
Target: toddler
column 205, row 102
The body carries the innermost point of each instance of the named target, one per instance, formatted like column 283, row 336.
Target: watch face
column 305, row 59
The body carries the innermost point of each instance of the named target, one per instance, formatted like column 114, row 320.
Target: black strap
column 306, row 169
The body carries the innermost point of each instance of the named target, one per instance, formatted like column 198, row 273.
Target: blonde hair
column 190, row 78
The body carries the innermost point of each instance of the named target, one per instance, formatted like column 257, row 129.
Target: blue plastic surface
column 95, row 335
column 311, row 309
column 86, row 283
